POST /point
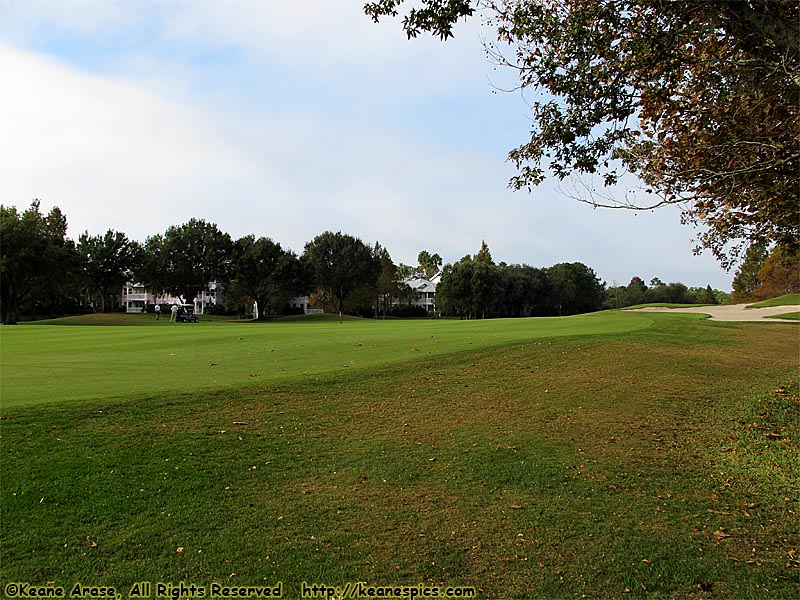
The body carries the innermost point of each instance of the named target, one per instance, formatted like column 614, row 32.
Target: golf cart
column 186, row 314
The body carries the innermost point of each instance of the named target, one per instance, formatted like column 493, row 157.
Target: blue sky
column 286, row 119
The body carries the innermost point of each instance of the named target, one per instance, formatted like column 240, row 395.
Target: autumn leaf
column 720, row 534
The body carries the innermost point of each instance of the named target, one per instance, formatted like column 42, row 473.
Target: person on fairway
column 158, row 311
column 173, row 318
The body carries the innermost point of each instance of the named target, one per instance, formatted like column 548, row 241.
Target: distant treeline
column 44, row 273
column 637, row 292
column 476, row 287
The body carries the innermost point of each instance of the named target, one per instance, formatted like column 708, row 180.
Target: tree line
column 476, row 287
column 43, row 272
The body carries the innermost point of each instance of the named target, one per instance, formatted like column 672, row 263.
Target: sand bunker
column 731, row 312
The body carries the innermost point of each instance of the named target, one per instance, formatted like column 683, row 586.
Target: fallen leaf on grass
column 720, row 534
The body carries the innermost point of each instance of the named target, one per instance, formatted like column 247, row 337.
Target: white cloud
column 284, row 120
column 108, row 153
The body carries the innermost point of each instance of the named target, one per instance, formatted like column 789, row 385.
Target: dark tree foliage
column 37, row 260
column 472, row 289
column 574, row 289
column 634, row 293
column 485, row 297
column 186, row 259
column 388, row 288
column 669, row 293
column 265, row 272
column 698, row 99
column 437, row 17
column 637, row 292
column 341, row 264
column 522, row 291
column 454, row 295
column 107, row 262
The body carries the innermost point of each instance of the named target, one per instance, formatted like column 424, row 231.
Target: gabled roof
column 420, row 284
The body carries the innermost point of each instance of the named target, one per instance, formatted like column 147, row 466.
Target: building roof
column 420, row 284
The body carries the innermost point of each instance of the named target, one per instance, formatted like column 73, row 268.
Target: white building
column 424, row 291
column 303, row 302
column 135, row 298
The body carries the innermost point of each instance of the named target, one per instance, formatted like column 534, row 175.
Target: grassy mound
column 785, row 300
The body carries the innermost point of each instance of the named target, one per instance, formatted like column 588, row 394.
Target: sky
column 286, row 119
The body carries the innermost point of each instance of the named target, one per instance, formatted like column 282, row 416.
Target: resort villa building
column 135, row 298
column 424, row 292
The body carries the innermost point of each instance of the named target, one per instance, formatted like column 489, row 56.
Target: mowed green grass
column 600, row 460
column 792, row 316
column 54, row 363
column 779, row 301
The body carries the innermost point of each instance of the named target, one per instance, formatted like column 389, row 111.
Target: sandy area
column 732, row 312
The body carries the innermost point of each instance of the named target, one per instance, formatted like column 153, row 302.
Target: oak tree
column 697, row 99
column 574, row 289
column 186, row 259
column 106, row 263
column 341, row 264
column 36, row 258
column 265, row 272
